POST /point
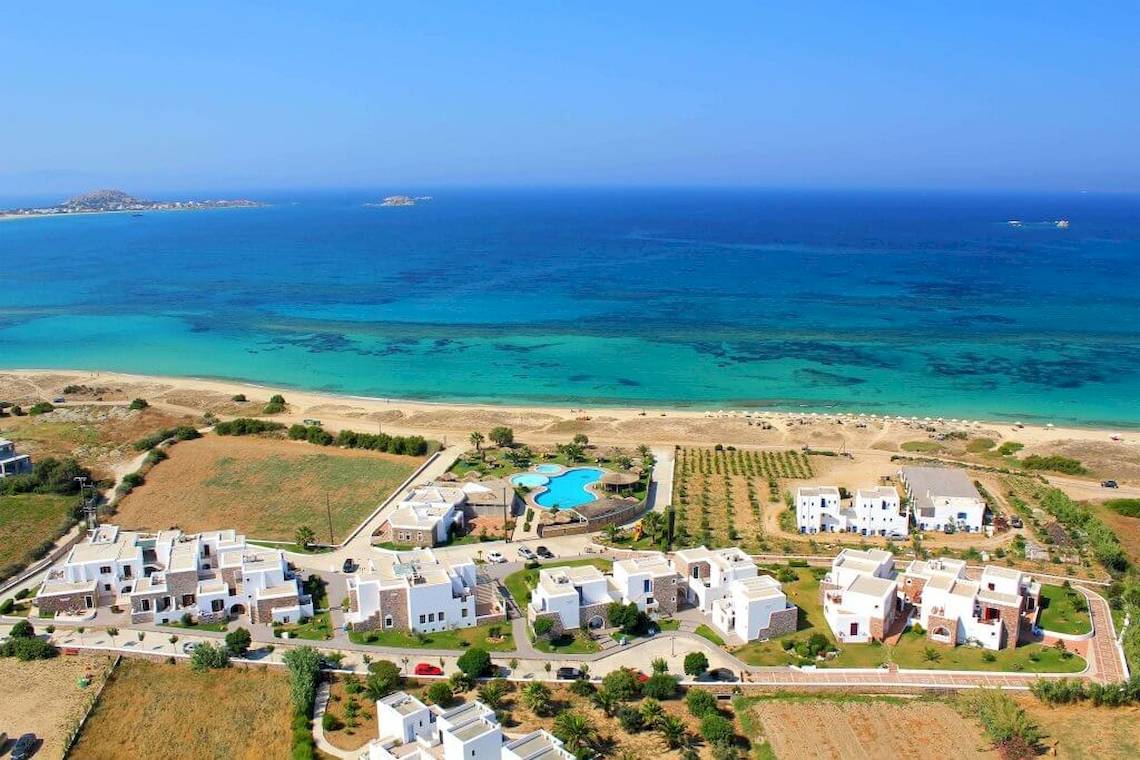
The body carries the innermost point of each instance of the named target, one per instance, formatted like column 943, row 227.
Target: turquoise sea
column 923, row 304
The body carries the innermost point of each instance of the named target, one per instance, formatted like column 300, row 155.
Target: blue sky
column 1042, row 96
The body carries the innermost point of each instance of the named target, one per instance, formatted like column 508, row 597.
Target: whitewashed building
column 12, row 463
column 860, row 595
column 412, row 591
column 649, row 581
column 943, row 498
column 571, row 596
column 819, row 509
column 878, row 512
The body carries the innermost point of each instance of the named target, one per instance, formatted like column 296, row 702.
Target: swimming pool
column 548, row 469
column 530, row 480
column 569, row 489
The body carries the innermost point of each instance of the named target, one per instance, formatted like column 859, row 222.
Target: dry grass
column 155, row 710
column 866, row 729
column 44, row 697
column 351, row 737
column 27, row 520
column 1079, row 731
column 263, row 487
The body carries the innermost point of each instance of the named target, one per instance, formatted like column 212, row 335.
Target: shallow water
column 904, row 304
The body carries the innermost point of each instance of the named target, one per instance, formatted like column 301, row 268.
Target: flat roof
column 472, row 729
column 654, row 564
column 538, row 745
column 871, row 585
column 403, row 703
column 818, row 491
column 760, row 587
column 1002, row 572
column 928, row 483
column 878, row 492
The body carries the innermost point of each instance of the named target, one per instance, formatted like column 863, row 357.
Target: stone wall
column 394, row 602
column 782, row 623
column 557, row 630
column 1011, row 622
column 665, row 590
column 181, row 583
column 950, row 624
column 64, row 603
column 590, row 610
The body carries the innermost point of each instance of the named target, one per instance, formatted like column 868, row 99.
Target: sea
column 916, row 304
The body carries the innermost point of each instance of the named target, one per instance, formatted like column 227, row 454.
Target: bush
column 475, row 662
column 26, row 649
column 329, row 722
column 581, row 687
column 622, row 683
column 787, row 575
column 50, row 475
column 460, row 681
column 138, row 403
column 6, row 606
column 543, row 626
column 717, row 729
column 696, row 664
column 660, row 686
column 247, row 426
column 1003, row 719
column 304, row 666
column 209, row 657
column 180, row 433
column 700, row 703
column 439, row 693
column 239, row 398
column 383, row 679
column 41, row 407
column 238, row 641
column 273, row 408
column 1055, row 463
column 22, row 630
column 630, row 719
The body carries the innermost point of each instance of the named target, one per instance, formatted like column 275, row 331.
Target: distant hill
column 103, row 200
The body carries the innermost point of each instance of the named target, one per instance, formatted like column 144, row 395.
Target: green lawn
column 571, row 642
column 458, row 638
column 805, row 594
column 921, row 447
column 318, row 628
column 709, row 633
column 215, row 627
column 520, row 583
column 911, row 653
column 27, row 521
column 1064, row 610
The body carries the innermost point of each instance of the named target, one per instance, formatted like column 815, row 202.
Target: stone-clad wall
column 590, row 610
column 181, row 583
column 63, row 603
column 665, row 589
column 782, row 623
column 951, row 625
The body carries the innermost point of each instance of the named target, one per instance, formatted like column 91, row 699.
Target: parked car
column 1109, row 484
column 1016, row 522
column 568, row 674
column 722, row 674
column 427, row 669
column 526, row 554
column 544, row 552
column 641, row 676
column 24, row 747
column 349, row 566
column 190, row 646
column 496, row 557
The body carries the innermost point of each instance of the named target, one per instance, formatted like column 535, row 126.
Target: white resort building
column 819, row 510
column 943, row 498
column 417, row 592
column 860, row 596
column 573, row 597
column 161, row 577
column 410, row 730
column 726, row 585
column 12, row 463
column 873, row 511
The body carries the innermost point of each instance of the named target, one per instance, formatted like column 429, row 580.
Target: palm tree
column 477, row 439
column 536, row 697
column 606, row 701
column 304, row 536
column 173, row 640
column 673, row 731
column 494, row 693
column 653, row 525
column 652, row 712
column 576, row 731
column 642, row 450
column 660, row 665
column 112, row 632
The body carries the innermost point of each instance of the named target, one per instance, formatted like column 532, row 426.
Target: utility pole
column 88, row 502
column 328, row 510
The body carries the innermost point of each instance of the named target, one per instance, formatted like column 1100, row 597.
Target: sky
column 222, row 95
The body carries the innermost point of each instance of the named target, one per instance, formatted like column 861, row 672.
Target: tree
column 477, row 439
column 653, row 526
column 696, row 664
column 112, row 632
column 543, row 626
column 460, row 681
column 173, row 640
column 22, row 629
column 606, row 701
column 581, row 439
column 238, row 641
column 717, row 729
column 576, row 731
column 209, row 657
column 622, row 683
column 700, row 703
column 494, row 693
column 277, row 398
column 536, row 697
column 660, row 686
column 383, row 679
column 628, row 617
column 672, row 731
column 652, row 712
column 660, row 665
column 304, row 666
column 502, row 436
column 475, row 662
column 572, row 451
column 304, row 537
column 439, row 693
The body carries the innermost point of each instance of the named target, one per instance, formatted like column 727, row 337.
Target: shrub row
column 180, row 433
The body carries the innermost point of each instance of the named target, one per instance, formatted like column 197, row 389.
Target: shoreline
column 1029, row 433
column 8, row 217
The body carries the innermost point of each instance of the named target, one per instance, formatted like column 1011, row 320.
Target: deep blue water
column 899, row 303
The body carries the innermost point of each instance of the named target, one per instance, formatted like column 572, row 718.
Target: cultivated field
column 722, row 495
column 155, row 710
column 27, row 520
column 44, row 697
column 864, row 728
column 265, row 488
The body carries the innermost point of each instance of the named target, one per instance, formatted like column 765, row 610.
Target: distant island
column 112, row 201
column 399, row 200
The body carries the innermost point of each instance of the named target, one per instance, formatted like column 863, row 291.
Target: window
column 645, row 587
column 88, row 602
column 431, row 617
column 387, row 621
column 105, row 570
column 854, row 629
column 187, row 600
column 217, row 605
column 126, row 571
column 423, row 619
column 463, row 612
column 439, row 616
column 146, row 605
column 106, row 586
column 205, row 550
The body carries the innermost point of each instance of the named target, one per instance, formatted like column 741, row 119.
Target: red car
column 426, row 669
column 641, row 677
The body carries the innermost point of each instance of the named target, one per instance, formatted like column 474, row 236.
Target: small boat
column 1062, row 224
column 1014, row 222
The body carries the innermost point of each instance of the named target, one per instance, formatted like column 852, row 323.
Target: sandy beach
column 544, row 424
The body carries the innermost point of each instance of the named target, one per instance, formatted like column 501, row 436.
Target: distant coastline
column 119, row 202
